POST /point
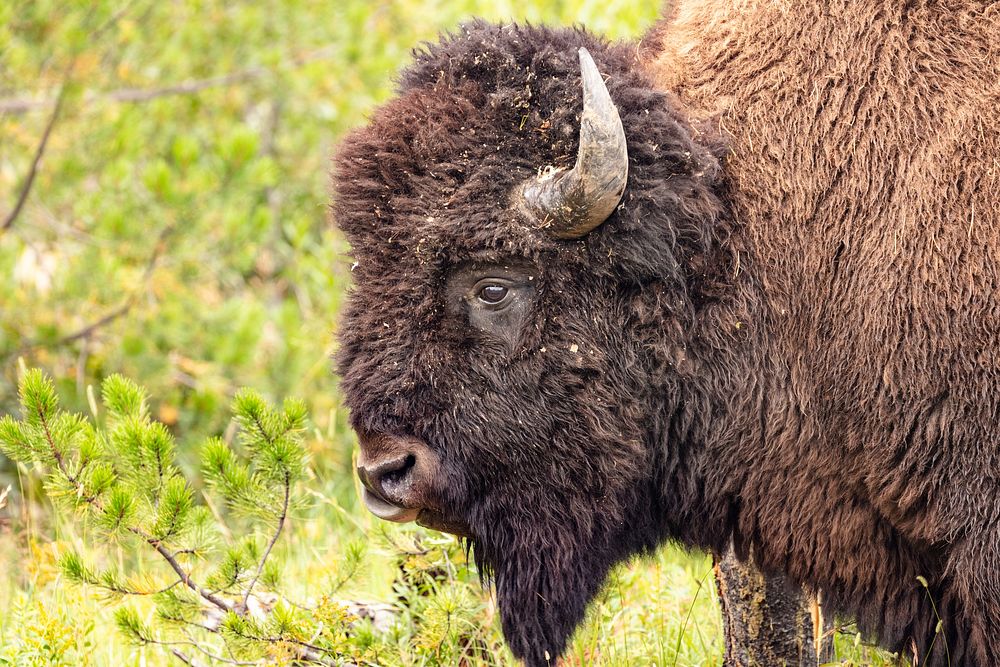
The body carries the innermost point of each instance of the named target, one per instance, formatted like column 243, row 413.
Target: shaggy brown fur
column 865, row 165
column 801, row 356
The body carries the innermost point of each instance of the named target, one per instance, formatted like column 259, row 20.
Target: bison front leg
column 767, row 622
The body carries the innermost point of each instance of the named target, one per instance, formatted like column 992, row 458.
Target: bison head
column 513, row 351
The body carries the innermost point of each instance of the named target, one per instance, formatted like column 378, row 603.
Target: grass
column 176, row 231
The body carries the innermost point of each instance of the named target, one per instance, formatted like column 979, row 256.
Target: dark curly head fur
column 556, row 446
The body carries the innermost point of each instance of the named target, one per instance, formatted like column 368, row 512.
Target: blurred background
column 164, row 214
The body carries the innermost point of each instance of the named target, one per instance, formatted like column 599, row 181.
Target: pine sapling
column 121, row 478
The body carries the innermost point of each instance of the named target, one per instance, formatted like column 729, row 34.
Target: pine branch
column 75, row 569
column 153, row 542
column 108, row 474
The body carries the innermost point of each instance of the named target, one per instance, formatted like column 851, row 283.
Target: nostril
column 386, row 477
column 400, row 473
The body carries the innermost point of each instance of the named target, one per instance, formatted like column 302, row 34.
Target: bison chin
column 548, row 561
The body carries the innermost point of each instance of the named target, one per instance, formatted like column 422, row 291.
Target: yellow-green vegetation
column 163, row 214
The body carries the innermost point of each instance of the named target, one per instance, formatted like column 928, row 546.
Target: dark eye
column 493, row 293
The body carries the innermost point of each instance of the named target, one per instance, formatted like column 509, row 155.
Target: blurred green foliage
column 177, row 232
column 183, row 192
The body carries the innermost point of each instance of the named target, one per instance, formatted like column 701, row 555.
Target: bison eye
column 493, row 293
column 496, row 299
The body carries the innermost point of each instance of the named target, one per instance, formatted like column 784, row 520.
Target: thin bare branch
column 213, row 656
column 307, row 651
column 184, row 658
column 274, row 538
column 180, row 620
column 185, row 87
column 29, row 179
column 181, row 552
column 20, row 105
column 129, row 591
column 112, row 20
column 115, row 313
column 86, row 331
column 53, row 117
column 182, row 573
column 137, row 95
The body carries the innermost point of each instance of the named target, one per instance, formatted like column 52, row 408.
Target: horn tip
column 593, row 82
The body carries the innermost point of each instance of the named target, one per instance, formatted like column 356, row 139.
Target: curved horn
column 572, row 203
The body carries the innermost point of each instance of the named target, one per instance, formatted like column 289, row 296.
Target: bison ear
column 570, row 203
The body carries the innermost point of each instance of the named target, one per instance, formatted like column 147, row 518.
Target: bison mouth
column 428, row 518
column 386, row 510
column 400, row 478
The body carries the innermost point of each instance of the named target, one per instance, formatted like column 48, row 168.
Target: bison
column 733, row 283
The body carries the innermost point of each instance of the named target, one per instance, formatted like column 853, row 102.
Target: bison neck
column 863, row 181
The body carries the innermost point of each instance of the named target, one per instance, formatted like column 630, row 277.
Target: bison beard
column 780, row 357
column 547, row 568
column 550, row 530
